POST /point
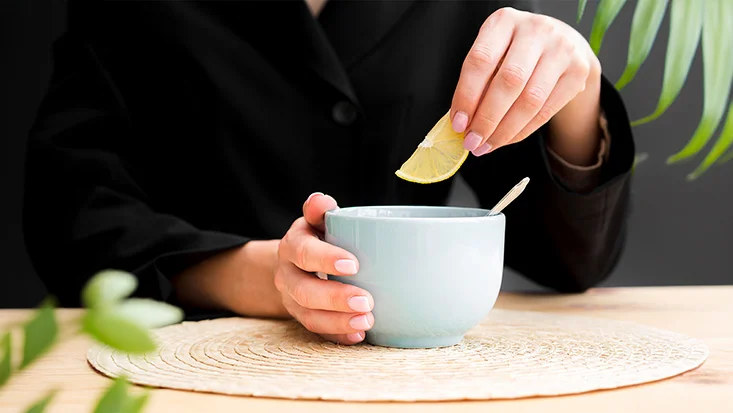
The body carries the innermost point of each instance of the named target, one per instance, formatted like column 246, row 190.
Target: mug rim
column 342, row 213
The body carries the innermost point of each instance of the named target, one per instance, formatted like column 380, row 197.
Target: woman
column 181, row 140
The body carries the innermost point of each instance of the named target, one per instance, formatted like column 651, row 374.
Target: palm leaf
column 684, row 35
column 727, row 157
column 639, row 158
column 648, row 15
column 605, row 15
column 717, row 43
column 724, row 142
column 581, row 8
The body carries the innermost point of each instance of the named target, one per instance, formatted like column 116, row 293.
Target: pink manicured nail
column 482, row 150
column 311, row 196
column 360, row 322
column 360, row 304
column 345, row 267
column 472, row 141
column 335, row 204
column 460, row 121
column 355, row 337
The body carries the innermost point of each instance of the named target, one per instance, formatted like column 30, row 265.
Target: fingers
column 302, row 247
column 504, row 89
column 314, row 293
column 523, row 69
column 481, row 62
column 339, row 327
column 567, row 87
column 331, row 322
column 345, row 339
column 339, row 312
column 534, row 97
column 315, row 207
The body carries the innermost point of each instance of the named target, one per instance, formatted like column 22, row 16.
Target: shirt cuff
column 579, row 178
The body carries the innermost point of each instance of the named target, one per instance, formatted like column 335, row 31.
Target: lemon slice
column 437, row 157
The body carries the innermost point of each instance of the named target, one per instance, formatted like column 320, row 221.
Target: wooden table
column 702, row 312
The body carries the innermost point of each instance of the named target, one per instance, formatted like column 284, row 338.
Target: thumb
column 315, row 207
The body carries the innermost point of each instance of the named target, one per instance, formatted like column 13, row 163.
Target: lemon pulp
column 437, row 157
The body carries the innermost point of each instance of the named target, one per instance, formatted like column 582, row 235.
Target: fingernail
column 460, row 121
column 335, row 204
column 311, row 196
column 482, row 150
column 356, row 337
column 472, row 141
column 345, row 266
column 360, row 322
column 360, row 304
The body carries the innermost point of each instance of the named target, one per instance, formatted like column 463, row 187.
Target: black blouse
column 174, row 130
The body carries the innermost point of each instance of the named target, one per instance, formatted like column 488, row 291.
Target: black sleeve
column 561, row 239
column 86, row 207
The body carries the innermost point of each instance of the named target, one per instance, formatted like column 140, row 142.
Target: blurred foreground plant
column 690, row 20
column 110, row 318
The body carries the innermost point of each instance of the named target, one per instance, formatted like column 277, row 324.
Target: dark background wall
column 681, row 232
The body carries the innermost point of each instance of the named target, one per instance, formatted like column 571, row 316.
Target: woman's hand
column 274, row 278
column 521, row 71
column 338, row 312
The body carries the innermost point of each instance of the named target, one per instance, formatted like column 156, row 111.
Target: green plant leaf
column 39, row 333
column 136, row 404
column 727, row 157
column 118, row 332
column 118, row 400
column 114, row 399
column 724, row 142
column 717, row 52
column 581, row 9
column 108, row 288
column 684, row 35
column 40, row 405
column 149, row 313
column 605, row 15
column 639, row 158
column 648, row 15
column 7, row 358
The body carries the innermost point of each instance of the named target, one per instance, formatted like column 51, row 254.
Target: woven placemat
column 512, row 354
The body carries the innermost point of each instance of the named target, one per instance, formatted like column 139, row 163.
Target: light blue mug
column 434, row 272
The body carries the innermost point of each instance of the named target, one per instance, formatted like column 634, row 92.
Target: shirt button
column 344, row 113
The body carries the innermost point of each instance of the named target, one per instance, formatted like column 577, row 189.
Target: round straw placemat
column 512, row 354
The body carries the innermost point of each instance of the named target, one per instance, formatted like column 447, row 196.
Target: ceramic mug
column 434, row 272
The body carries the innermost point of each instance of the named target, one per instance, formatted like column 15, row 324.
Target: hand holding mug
column 338, row 312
